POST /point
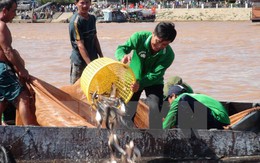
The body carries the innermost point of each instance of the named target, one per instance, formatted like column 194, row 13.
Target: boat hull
column 90, row 144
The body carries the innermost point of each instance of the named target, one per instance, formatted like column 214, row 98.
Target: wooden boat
column 245, row 116
column 82, row 144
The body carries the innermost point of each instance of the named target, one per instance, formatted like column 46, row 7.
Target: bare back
column 5, row 41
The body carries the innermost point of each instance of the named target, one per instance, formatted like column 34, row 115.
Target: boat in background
column 255, row 17
column 112, row 15
column 140, row 15
column 125, row 15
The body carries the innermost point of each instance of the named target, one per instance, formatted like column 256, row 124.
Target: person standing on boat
column 13, row 74
column 152, row 55
column 83, row 38
column 191, row 110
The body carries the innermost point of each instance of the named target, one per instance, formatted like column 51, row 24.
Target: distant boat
column 255, row 17
column 127, row 15
column 112, row 15
column 140, row 15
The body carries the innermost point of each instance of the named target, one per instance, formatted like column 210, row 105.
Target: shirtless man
column 13, row 75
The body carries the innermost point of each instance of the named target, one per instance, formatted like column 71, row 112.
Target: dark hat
column 176, row 89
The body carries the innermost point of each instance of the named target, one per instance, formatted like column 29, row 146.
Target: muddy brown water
column 220, row 59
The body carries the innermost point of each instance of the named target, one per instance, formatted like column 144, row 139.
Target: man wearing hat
column 213, row 113
column 176, row 80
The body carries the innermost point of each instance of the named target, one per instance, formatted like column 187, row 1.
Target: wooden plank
column 141, row 118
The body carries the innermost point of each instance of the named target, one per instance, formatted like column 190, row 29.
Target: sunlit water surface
column 221, row 59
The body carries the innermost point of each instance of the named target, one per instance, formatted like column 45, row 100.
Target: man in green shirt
column 213, row 111
column 152, row 55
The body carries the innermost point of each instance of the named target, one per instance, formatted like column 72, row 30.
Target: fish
column 113, row 144
column 132, row 155
column 109, row 109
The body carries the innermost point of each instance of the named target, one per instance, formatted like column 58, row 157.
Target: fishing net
column 64, row 107
column 71, row 105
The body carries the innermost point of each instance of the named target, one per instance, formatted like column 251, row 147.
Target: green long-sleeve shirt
column 218, row 111
column 148, row 68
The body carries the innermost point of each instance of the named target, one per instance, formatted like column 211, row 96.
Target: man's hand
column 23, row 75
column 126, row 59
column 135, row 86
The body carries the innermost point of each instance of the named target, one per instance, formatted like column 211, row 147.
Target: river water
column 221, row 59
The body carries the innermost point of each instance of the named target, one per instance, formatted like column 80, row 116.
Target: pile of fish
column 110, row 111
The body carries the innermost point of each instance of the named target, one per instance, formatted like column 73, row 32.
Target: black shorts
column 76, row 72
column 156, row 90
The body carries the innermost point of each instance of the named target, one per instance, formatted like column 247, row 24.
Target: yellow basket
column 101, row 73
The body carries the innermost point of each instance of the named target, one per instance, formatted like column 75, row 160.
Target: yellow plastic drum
column 101, row 73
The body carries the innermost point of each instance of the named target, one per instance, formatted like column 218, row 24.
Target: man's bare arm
column 83, row 51
column 11, row 55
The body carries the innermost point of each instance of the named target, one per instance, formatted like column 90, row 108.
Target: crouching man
column 191, row 110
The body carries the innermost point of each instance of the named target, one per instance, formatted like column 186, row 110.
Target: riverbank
column 194, row 14
column 209, row 14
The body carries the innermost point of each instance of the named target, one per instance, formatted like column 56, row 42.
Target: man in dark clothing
column 83, row 38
